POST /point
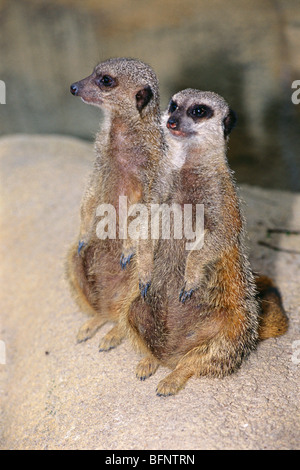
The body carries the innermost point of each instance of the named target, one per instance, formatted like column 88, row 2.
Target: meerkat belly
column 168, row 327
column 104, row 278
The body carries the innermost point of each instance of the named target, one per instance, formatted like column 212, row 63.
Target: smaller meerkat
column 128, row 148
column 201, row 313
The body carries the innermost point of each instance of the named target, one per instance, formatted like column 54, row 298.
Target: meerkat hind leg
column 112, row 339
column 173, row 382
column 89, row 328
column 146, row 367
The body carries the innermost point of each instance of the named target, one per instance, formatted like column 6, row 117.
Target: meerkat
column 200, row 312
column 128, row 148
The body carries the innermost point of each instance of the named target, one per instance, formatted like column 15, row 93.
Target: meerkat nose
column 172, row 123
column 74, row 89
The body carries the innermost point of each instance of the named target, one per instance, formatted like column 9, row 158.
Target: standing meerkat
column 128, row 149
column 201, row 314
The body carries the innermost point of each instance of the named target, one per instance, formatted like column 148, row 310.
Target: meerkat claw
column 144, row 288
column 81, row 244
column 185, row 295
column 125, row 260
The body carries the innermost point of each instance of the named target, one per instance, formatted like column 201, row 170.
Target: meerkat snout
column 172, row 123
column 74, row 89
column 94, row 88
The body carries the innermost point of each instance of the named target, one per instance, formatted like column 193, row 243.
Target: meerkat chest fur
column 124, row 162
column 199, row 172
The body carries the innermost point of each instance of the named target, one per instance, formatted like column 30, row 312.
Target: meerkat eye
column 173, row 106
column 107, row 81
column 200, row 111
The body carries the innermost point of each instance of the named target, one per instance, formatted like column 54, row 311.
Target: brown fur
column 220, row 322
column 128, row 149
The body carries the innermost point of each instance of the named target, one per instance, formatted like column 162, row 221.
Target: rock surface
column 56, row 394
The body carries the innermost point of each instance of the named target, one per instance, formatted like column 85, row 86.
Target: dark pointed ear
column 143, row 97
column 229, row 122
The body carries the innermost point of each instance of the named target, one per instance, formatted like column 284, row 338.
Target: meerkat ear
column 229, row 122
column 143, row 97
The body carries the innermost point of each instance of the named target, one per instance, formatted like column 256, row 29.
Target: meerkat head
column 194, row 114
column 120, row 85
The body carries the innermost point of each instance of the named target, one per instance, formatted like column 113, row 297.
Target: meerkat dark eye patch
column 229, row 122
column 143, row 97
column 200, row 111
column 172, row 107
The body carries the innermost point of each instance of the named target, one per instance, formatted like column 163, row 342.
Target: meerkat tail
column 272, row 320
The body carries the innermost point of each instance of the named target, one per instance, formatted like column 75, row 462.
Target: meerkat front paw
column 125, row 260
column 81, row 244
column 144, row 281
column 144, row 287
column 185, row 294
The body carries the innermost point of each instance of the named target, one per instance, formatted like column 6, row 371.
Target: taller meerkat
column 128, row 149
column 200, row 315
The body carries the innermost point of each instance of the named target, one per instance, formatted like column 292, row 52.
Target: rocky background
column 248, row 51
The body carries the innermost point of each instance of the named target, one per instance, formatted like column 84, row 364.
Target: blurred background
column 246, row 50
